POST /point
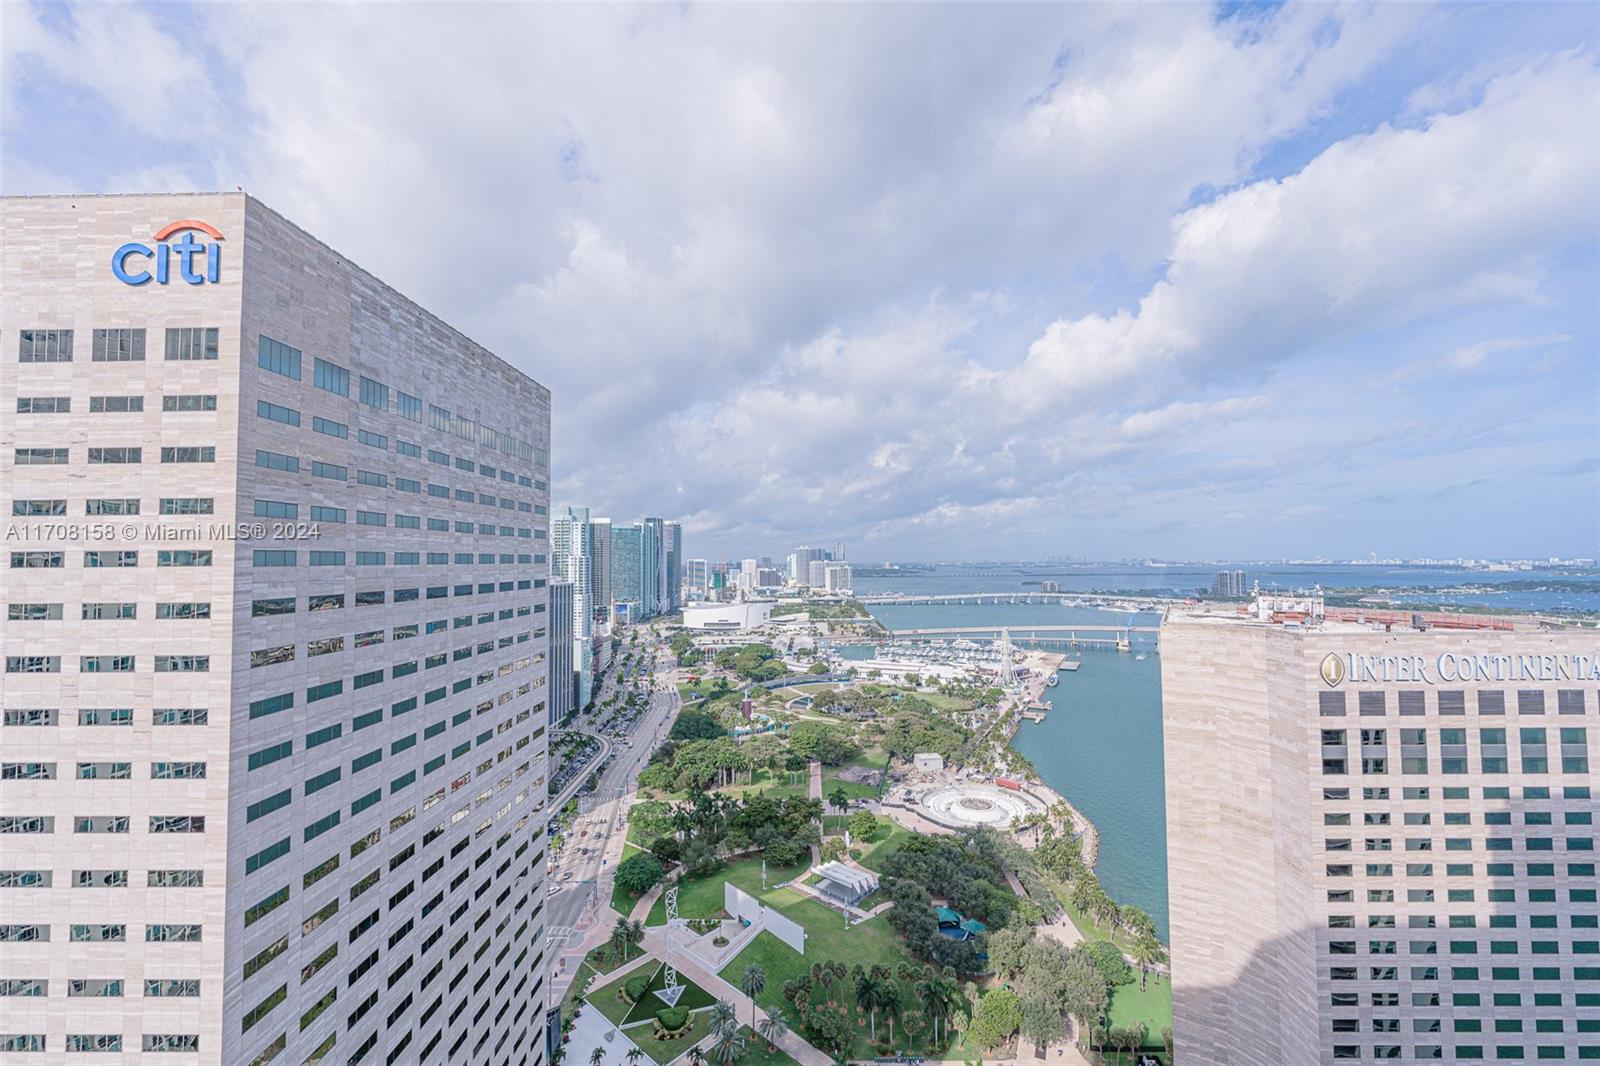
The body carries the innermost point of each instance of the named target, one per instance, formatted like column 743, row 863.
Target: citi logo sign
column 197, row 262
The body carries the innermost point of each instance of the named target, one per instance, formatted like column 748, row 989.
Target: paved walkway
column 816, row 779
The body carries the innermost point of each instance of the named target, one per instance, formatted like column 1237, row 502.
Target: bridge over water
column 1063, row 635
column 1073, row 599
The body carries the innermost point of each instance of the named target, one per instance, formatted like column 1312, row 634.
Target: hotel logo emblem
column 1332, row 670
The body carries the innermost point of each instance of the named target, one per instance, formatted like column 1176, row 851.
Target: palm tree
column 696, row 1056
column 722, row 1016
column 838, row 799
column 1147, row 953
column 890, row 1004
column 752, row 983
column 635, row 933
column 596, row 1057
column 772, row 1029
column 634, row 1055
column 869, row 997
column 728, row 1047
column 619, row 938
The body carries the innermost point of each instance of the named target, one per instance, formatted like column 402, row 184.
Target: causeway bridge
column 1069, row 636
column 1075, row 599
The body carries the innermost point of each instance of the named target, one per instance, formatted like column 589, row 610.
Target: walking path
column 816, row 779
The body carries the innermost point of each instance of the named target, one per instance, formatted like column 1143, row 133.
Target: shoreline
column 1045, row 665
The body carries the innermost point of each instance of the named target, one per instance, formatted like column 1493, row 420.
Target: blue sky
column 941, row 282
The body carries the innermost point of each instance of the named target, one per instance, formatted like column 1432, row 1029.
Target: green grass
column 1151, row 1005
column 693, row 998
column 702, row 897
column 1085, row 924
column 827, row 939
column 946, row 703
column 871, row 759
column 601, row 961
column 664, row 1051
column 770, row 783
column 757, row 1053
column 874, row 851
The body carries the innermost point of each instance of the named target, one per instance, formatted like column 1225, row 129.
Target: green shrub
column 1107, row 958
column 635, row 987
column 672, row 1019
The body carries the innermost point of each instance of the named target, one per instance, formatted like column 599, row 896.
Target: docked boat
column 1052, row 681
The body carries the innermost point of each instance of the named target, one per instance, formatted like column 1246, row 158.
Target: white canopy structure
column 847, row 884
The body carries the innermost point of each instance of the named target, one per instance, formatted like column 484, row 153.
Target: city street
column 580, row 882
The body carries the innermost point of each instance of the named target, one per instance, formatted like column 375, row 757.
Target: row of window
column 1466, row 869
column 1462, row 1052
column 114, row 405
column 34, row 1043
column 1579, row 974
column 183, row 344
column 98, row 823
column 1449, row 702
column 1464, row 999
column 284, row 360
column 165, row 770
column 1491, row 793
column 160, row 988
column 107, row 716
column 115, row 456
column 129, row 558
column 108, row 664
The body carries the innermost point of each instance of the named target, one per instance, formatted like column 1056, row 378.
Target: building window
column 194, row 454
column 192, row 343
column 331, row 378
column 46, row 456
column 374, row 394
column 276, row 413
column 279, row 358
column 118, row 346
column 46, row 346
column 195, row 402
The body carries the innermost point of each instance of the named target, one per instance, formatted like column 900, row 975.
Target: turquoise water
column 1100, row 746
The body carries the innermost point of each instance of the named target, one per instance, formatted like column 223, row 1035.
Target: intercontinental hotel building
column 273, row 763
column 1381, row 839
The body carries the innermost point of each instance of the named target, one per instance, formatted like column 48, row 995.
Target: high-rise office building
column 837, row 577
column 653, row 566
column 572, row 560
column 274, row 773
column 673, row 555
column 697, row 577
column 1229, row 584
column 816, row 573
column 600, row 566
column 1381, row 841
column 800, row 561
column 627, row 568
column 563, row 647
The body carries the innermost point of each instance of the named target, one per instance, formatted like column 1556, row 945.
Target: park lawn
column 622, row 900
column 702, row 897
column 693, row 997
column 826, row 939
column 757, row 1054
column 770, row 783
column 874, row 851
column 1151, row 1006
column 664, row 1051
column 1085, row 924
column 601, row 961
column 946, row 703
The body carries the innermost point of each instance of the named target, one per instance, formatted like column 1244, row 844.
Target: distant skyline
column 944, row 281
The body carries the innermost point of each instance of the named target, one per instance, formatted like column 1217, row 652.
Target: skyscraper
column 653, row 566
column 697, row 577
column 571, row 560
column 258, row 797
column 563, row 678
column 674, row 566
column 1381, row 845
column 1229, row 584
column 600, row 560
column 627, row 567
column 800, row 564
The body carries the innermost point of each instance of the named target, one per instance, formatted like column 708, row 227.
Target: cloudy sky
column 940, row 282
